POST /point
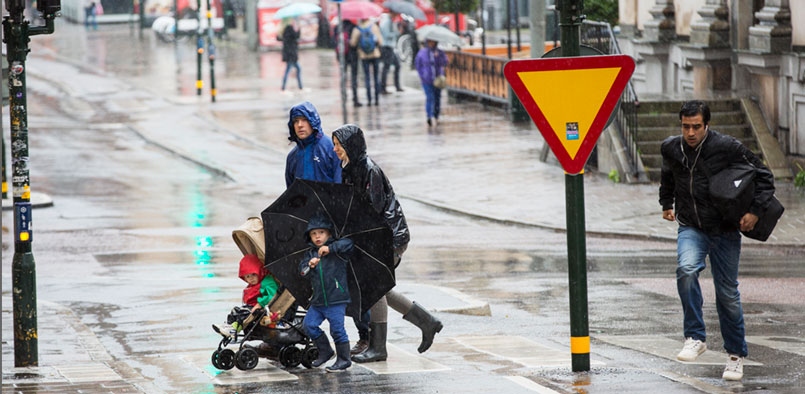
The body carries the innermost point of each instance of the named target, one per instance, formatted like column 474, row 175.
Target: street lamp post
column 16, row 35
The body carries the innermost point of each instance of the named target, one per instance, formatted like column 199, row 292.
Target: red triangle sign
column 570, row 100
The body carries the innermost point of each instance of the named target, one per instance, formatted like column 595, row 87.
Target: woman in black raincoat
column 362, row 173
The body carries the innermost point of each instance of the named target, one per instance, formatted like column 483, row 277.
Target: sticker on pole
column 570, row 100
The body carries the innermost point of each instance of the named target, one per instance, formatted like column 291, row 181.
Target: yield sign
column 570, row 100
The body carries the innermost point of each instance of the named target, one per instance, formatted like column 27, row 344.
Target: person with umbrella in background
column 430, row 64
column 325, row 266
column 366, row 37
column 368, row 179
column 290, row 52
column 390, row 32
column 350, row 57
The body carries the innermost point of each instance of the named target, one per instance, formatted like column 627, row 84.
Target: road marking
column 264, row 372
column 786, row 344
column 400, row 361
column 531, row 385
column 693, row 382
column 88, row 372
column 520, row 350
column 666, row 348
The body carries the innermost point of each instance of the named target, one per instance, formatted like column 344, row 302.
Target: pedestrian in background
column 430, row 64
column 290, row 52
column 370, row 181
column 366, row 37
column 91, row 14
column 687, row 161
column 350, row 57
column 390, row 31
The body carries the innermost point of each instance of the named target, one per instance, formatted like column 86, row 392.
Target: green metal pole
column 199, row 50
column 211, row 51
column 570, row 22
column 16, row 35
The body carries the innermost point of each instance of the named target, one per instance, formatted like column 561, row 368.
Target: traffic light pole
column 211, row 50
column 570, row 21
column 199, row 50
column 16, row 35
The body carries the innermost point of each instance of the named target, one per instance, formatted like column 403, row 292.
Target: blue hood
column 307, row 110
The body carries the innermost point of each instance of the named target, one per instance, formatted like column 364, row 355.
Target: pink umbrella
column 360, row 10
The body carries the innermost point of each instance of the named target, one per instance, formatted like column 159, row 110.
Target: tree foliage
column 453, row 6
column 602, row 10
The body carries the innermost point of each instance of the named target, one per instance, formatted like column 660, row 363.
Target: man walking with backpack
column 687, row 161
column 368, row 40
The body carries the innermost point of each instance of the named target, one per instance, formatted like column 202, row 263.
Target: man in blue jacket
column 312, row 158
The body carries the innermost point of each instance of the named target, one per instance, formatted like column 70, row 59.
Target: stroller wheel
column 246, row 359
column 226, row 359
column 290, row 356
column 214, row 359
column 310, row 355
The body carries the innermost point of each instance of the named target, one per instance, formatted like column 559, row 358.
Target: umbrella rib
column 369, row 230
column 288, row 215
column 289, row 254
column 375, row 259
column 349, row 209
column 321, row 203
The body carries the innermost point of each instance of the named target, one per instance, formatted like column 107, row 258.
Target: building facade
column 717, row 48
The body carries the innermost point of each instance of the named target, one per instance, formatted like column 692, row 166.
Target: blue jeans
column 366, row 64
column 298, row 74
column 693, row 245
column 334, row 315
column 363, row 325
column 433, row 98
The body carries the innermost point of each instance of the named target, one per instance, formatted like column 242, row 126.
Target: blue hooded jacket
column 312, row 158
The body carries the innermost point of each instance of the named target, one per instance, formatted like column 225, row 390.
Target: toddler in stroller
column 277, row 323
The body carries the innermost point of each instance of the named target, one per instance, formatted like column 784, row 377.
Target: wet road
column 138, row 244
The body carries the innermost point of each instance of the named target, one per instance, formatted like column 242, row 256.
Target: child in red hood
column 260, row 289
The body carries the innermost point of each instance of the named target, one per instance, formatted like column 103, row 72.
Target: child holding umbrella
column 325, row 265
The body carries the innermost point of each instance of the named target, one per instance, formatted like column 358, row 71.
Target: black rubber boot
column 325, row 351
column 377, row 345
column 426, row 322
column 342, row 361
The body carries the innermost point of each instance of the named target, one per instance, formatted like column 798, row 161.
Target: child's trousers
column 334, row 315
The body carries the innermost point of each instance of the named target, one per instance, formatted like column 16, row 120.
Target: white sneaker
column 692, row 349
column 734, row 369
column 225, row 330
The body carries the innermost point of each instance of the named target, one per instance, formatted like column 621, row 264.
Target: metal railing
column 477, row 75
column 599, row 35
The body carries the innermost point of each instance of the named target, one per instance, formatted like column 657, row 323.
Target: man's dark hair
column 693, row 108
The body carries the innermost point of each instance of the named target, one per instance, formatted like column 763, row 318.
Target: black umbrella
column 371, row 269
column 404, row 7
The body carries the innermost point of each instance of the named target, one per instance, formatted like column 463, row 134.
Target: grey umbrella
column 439, row 34
column 404, row 7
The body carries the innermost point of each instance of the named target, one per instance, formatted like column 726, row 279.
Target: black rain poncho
column 363, row 173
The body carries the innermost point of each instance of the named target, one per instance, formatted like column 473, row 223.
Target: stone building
column 723, row 48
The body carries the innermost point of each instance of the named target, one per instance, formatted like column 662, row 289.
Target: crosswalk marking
column 786, row 344
column 531, row 385
column 520, row 350
column 400, row 361
column 265, row 371
column 666, row 348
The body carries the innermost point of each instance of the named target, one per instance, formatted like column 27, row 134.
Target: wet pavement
column 135, row 259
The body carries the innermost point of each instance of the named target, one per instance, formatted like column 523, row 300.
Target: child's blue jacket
column 329, row 278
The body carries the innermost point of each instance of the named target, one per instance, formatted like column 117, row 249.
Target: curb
column 38, row 200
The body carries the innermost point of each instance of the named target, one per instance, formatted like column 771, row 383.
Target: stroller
column 287, row 340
